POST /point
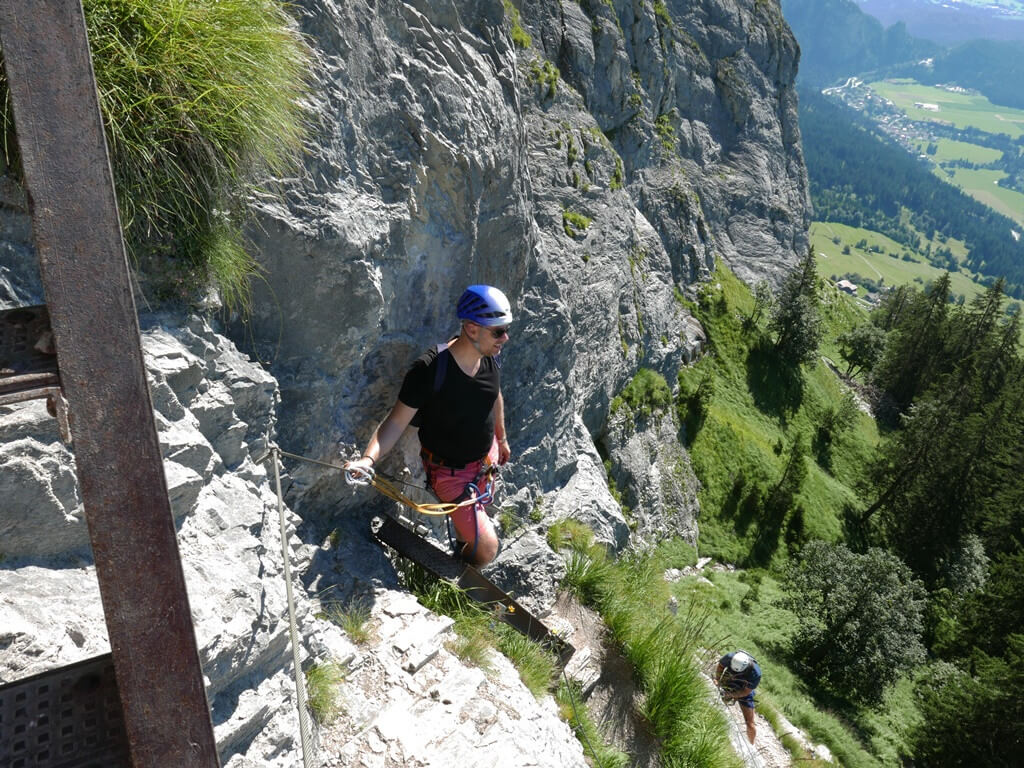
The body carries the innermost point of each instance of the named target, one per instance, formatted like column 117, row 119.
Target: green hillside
column 756, row 408
column 793, row 473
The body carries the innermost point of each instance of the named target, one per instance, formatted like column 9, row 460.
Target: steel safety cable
column 305, row 732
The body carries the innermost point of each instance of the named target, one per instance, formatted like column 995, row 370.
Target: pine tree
column 796, row 316
column 917, row 344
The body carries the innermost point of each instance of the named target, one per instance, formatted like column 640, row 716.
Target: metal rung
column 475, row 584
column 65, row 718
column 27, row 351
column 28, row 363
column 408, row 544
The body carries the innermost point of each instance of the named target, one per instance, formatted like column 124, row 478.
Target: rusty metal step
column 28, row 357
column 389, row 531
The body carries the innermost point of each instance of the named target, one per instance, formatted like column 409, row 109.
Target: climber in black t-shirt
column 454, row 390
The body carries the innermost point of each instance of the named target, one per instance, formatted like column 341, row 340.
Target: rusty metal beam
column 92, row 312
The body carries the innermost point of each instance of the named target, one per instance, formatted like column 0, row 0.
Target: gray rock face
column 594, row 175
column 415, row 704
column 215, row 412
column 654, row 474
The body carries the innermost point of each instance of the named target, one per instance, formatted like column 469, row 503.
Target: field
column 981, row 185
column 949, row 149
column 888, row 266
column 962, row 110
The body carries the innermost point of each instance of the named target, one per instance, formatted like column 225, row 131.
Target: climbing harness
column 472, row 493
column 387, row 486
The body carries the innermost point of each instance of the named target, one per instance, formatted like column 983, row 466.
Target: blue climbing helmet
column 484, row 305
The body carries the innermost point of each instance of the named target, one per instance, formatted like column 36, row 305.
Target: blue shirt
column 733, row 681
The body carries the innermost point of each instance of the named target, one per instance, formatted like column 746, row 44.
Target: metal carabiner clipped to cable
column 359, row 475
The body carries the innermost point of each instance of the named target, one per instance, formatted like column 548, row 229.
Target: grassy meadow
column 951, row 149
column 884, row 264
column 961, row 110
column 980, row 183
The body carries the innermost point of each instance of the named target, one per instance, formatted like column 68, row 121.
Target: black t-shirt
column 456, row 424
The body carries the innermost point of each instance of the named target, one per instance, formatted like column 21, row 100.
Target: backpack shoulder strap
column 442, row 365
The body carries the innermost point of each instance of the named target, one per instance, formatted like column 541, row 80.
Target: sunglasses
column 499, row 332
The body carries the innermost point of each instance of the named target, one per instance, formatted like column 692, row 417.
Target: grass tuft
column 536, row 666
column 574, row 712
column 352, row 618
column 322, row 681
column 570, row 533
column 201, row 103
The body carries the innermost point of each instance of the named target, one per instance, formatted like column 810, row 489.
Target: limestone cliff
column 446, row 154
column 595, row 173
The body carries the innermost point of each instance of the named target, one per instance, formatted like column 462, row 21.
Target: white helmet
column 740, row 661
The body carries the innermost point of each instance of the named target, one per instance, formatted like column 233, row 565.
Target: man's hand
column 359, row 471
column 504, row 451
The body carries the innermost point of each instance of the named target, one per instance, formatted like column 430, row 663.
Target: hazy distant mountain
column 837, row 39
column 952, row 22
column 993, row 67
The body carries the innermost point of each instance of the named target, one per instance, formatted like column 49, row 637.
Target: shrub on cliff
column 201, row 102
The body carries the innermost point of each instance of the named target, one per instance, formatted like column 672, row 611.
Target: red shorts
column 449, row 484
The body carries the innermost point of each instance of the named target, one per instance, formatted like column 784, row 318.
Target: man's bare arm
column 385, row 436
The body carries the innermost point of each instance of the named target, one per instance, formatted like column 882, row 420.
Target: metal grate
column 66, row 718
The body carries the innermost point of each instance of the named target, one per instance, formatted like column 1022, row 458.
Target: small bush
column 546, row 75
column 645, row 394
column 574, row 223
column 322, row 681
column 586, row 574
column 520, row 38
column 666, row 132
column 510, row 520
column 473, row 641
column 617, row 175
